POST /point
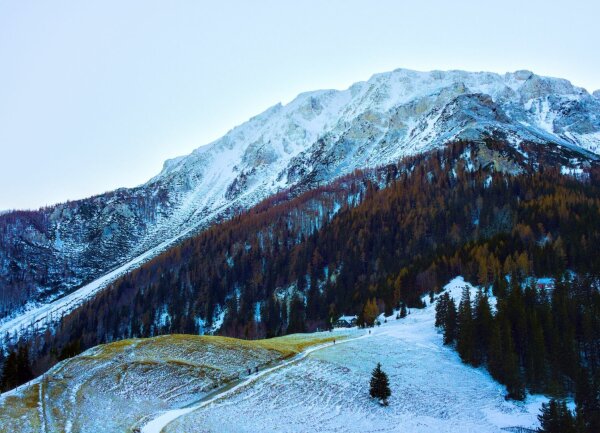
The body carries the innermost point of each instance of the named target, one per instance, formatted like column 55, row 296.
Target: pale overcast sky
column 95, row 95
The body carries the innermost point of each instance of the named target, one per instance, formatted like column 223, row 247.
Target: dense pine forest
column 545, row 341
column 375, row 241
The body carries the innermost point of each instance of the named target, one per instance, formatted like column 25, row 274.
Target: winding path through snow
column 160, row 422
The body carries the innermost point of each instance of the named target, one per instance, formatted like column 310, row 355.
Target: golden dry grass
column 182, row 352
column 294, row 343
column 20, row 412
column 287, row 345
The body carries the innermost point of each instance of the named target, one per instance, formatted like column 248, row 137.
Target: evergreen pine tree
column 535, row 365
column 297, row 320
column 495, row 354
column 511, row 369
column 403, row 311
column 482, row 327
column 499, row 287
column 464, row 337
column 380, row 388
column 17, row 369
column 441, row 309
column 587, row 399
column 450, row 322
column 555, row 417
column 9, row 372
column 313, row 301
column 271, row 317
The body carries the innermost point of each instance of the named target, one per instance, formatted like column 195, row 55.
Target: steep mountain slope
column 48, row 253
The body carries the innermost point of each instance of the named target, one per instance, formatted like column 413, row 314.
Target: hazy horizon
column 97, row 96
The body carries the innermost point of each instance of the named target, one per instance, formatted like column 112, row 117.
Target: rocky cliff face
column 320, row 135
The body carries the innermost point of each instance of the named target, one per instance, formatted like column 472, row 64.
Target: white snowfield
column 325, row 389
column 158, row 423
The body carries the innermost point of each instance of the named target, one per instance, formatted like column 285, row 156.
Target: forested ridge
column 385, row 238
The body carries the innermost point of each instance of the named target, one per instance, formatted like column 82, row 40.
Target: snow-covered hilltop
column 318, row 136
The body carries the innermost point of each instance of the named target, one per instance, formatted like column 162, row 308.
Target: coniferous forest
column 380, row 239
column 536, row 340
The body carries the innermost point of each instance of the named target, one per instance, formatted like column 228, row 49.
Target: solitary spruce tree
column 380, row 388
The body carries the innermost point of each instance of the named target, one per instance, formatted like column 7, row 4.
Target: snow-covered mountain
column 318, row 136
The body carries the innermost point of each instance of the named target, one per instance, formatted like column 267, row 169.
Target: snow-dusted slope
column 317, row 136
column 392, row 115
column 115, row 387
column 432, row 391
column 167, row 384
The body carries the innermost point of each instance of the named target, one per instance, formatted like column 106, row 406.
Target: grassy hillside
column 114, row 386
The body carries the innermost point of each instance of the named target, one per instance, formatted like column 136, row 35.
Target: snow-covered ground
column 432, row 391
column 180, row 384
column 157, row 424
column 122, row 385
